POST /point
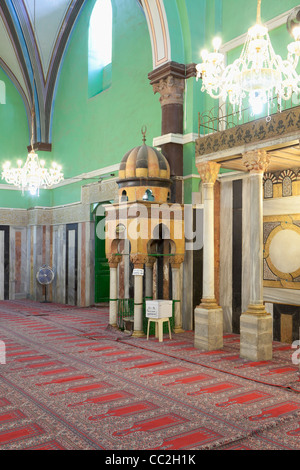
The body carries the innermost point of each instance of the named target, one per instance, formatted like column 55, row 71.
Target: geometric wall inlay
column 268, row 189
column 282, row 251
column 282, row 184
column 286, row 186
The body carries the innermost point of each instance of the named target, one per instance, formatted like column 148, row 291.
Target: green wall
column 14, row 139
column 238, row 16
column 92, row 133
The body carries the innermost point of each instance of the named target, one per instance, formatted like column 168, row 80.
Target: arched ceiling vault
column 33, row 38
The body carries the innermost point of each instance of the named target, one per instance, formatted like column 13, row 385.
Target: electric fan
column 45, row 276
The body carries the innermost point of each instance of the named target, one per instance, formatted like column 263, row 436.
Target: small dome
column 144, row 162
column 144, row 170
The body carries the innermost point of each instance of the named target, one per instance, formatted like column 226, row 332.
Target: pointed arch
column 158, row 30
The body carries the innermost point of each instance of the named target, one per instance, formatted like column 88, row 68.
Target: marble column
column 149, row 277
column 256, row 325
column 208, row 315
column 138, row 261
column 113, row 261
column 176, row 262
column 169, row 81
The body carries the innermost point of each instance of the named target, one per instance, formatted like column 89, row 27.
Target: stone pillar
column 208, row 315
column 169, row 81
column 113, row 261
column 256, row 325
column 150, row 260
column 176, row 262
column 138, row 261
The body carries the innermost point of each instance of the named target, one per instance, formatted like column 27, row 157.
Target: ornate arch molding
column 158, row 30
column 20, row 26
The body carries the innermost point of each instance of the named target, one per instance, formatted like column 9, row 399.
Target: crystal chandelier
column 258, row 73
column 33, row 175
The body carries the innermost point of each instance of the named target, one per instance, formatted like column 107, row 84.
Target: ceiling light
column 258, row 74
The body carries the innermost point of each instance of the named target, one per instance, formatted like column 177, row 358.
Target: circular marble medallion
column 284, row 251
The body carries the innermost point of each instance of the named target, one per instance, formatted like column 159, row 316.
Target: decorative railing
column 125, row 312
column 126, row 315
column 223, row 135
column 223, row 117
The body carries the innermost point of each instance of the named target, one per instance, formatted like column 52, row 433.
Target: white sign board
column 158, row 308
column 138, row 272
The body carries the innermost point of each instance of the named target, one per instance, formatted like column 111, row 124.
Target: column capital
column 170, row 89
column 176, row 261
column 113, row 260
column 138, row 260
column 256, row 161
column 150, row 260
column 208, row 171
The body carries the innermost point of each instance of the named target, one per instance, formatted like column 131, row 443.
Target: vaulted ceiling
column 33, row 38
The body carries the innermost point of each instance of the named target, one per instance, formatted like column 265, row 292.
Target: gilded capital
column 138, row 260
column 208, row 171
column 256, row 161
column 150, row 260
column 176, row 261
column 171, row 90
column 113, row 260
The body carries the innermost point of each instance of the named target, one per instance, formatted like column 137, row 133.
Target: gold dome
column 144, row 162
column 144, row 170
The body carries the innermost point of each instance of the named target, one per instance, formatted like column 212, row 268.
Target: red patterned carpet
column 69, row 382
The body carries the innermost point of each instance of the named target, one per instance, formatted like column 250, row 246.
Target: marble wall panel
column 18, row 279
column 39, row 236
column 246, row 244
column 71, row 264
column 226, row 215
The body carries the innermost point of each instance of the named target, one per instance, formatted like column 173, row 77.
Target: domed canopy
column 144, row 162
column 144, row 170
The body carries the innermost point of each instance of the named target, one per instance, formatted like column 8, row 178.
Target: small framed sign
column 138, row 272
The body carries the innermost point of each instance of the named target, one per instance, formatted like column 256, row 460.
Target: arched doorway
column 102, row 274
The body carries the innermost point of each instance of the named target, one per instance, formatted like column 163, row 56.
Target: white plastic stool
column 159, row 327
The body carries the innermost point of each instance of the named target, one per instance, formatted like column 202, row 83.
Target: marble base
column 138, row 334
column 256, row 336
column 208, row 328
column 178, row 329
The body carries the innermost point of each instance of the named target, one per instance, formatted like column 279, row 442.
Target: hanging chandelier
column 258, row 74
column 33, row 175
